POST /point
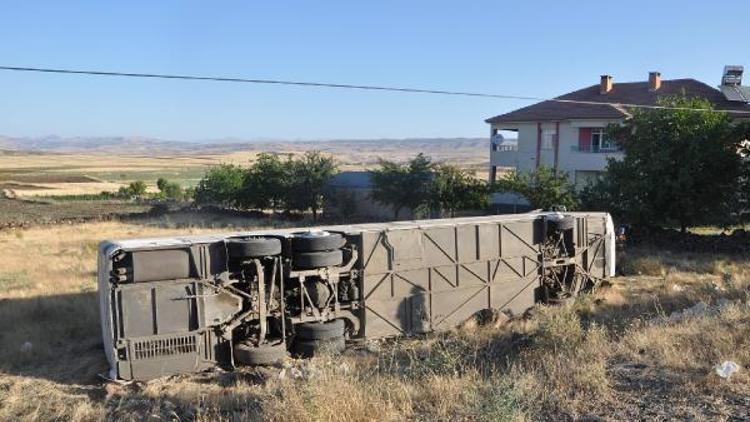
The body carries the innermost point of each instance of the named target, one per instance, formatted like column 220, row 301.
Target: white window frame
column 548, row 139
column 600, row 141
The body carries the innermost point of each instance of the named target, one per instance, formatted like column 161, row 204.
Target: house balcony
column 591, row 158
column 504, row 156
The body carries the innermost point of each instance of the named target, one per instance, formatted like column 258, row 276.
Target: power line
column 349, row 86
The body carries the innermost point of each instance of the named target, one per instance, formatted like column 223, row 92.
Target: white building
column 570, row 136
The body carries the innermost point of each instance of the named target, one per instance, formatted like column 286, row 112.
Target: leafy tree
column 742, row 133
column 308, row 179
column 161, row 183
column 136, row 189
column 266, row 182
column 170, row 190
column 220, row 185
column 456, row 189
column 542, row 187
column 681, row 167
column 174, row 191
column 403, row 185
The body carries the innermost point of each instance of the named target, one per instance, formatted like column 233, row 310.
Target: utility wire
column 350, row 86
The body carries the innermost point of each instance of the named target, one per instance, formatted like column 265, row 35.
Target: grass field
column 614, row 355
column 50, row 174
column 70, row 174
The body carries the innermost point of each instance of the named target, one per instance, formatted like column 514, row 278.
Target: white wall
column 569, row 159
column 525, row 156
column 572, row 160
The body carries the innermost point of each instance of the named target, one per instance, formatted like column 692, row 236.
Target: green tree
column 266, row 182
column 308, row 179
column 455, row 189
column 543, row 188
column 170, row 190
column 136, row 189
column 681, row 167
column 742, row 133
column 161, row 184
column 403, row 185
column 221, row 185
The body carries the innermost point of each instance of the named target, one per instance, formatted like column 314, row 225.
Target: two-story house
column 571, row 137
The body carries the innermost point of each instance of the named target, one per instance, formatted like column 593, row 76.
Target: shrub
column 543, row 188
column 403, row 185
column 453, row 189
column 308, row 179
column 170, row 190
column 681, row 167
column 266, row 182
column 135, row 189
column 221, row 185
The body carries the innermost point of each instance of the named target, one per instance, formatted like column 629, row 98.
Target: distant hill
column 141, row 145
column 55, row 143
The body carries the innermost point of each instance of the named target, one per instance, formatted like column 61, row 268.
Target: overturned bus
column 187, row 304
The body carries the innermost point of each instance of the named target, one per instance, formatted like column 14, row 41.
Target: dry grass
column 610, row 355
column 62, row 189
column 77, row 173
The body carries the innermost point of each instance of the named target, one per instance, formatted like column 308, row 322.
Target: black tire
column 302, row 242
column 563, row 224
column 320, row 331
column 309, row 260
column 310, row 348
column 253, row 247
column 266, row 354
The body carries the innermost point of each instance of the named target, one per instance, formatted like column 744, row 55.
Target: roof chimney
column 605, row 84
column 654, row 81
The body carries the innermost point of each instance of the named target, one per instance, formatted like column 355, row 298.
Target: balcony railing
column 504, row 156
column 506, row 148
column 594, row 149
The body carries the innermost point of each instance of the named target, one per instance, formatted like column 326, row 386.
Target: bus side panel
column 434, row 277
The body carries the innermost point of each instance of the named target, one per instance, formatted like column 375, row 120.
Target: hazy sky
column 525, row 48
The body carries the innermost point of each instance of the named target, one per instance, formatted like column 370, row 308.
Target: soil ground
column 27, row 213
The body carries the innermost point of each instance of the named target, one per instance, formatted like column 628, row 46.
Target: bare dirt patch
column 16, row 213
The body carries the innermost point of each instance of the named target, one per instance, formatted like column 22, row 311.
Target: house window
column 600, row 141
column 548, row 139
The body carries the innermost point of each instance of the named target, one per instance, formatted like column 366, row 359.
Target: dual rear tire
column 252, row 247
column 317, row 249
column 317, row 241
column 316, row 338
column 311, row 339
column 266, row 354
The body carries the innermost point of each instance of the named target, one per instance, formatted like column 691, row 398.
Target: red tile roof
column 621, row 93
